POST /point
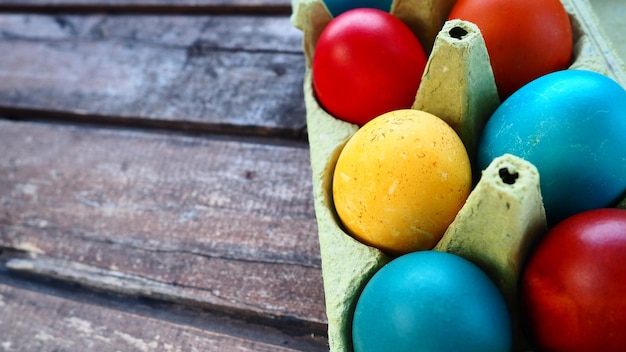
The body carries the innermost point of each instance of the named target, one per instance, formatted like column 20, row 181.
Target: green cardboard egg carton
column 506, row 200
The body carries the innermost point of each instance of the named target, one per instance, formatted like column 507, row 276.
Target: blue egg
column 337, row 7
column 431, row 301
column 572, row 126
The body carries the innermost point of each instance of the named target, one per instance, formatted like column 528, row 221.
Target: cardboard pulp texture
column 503, row 214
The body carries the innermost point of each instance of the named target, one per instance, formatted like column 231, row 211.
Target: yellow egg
column 400, row 180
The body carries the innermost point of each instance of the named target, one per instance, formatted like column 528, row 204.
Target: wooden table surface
column 155, row 186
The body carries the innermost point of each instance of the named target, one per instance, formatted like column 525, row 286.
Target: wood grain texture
column 148, row 6
column 232, row 74
column 229, row 223
column 164, row 240
column 43, row 318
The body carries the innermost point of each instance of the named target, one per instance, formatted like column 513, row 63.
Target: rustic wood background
column 155, row 187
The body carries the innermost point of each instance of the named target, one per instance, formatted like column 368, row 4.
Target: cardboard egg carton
column 504, row 212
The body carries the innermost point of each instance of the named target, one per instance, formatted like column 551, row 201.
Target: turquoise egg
column 572, row 126
column 337, row 7
column 431, row 301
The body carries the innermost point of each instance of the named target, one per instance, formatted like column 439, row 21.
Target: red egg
column 573, row 288
column 525, row 38
column 366, row 62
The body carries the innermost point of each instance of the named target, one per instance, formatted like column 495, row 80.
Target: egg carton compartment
column 347, row 264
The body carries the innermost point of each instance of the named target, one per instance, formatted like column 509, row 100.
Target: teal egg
column 337, row 7
column 572, row 126
column 431, row 301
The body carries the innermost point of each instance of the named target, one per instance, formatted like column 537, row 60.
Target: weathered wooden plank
column 34, row 317
column 148, row 6
column 114, row 281
column 230, row 223
column 170, row 3
column 239, row 74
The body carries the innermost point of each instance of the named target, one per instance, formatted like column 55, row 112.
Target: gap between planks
column 44, row 312
column 119, row 283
